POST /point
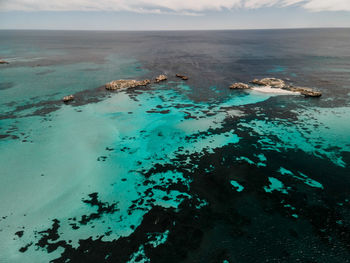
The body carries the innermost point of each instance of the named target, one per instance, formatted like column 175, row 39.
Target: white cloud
column 333, row 5
column 182, row 7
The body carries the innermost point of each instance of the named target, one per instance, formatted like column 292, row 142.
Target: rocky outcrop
column 68, row 98
column 278, row 84
column 273, row 82
column 239, row 85
column 183, row 77
column 4, row 62
column 312, row 94
column 307, row 92
column 161, row 78
column 126, row 84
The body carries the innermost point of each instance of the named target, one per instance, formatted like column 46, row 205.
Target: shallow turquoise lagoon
column 58, row 163
column 178, row 171
column 106, row 147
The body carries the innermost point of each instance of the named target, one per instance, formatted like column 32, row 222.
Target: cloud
column 180, row 7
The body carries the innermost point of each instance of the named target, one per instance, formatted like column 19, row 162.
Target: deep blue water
column 182, row 171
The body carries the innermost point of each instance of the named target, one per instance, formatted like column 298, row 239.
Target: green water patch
column 302, row 177
column 275, row 185
column 237, row 186
column 323, row 132
column 139, row 256
column 157, row 239
column 246, row 159
column 260, row 160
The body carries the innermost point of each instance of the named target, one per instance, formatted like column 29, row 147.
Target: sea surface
column 180, row 171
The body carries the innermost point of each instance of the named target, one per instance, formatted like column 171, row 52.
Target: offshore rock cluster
column 278, row 84
column 126, row 84
column 122, row 84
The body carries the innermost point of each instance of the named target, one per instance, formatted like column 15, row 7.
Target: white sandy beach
column 269, row 89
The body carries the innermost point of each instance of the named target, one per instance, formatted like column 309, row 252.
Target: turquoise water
column 65, row 150
column 179, row 172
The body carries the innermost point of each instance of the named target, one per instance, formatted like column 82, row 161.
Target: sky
column 172, row 14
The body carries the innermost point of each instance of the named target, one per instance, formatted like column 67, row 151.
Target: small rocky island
column 183, row 77
column 278, row 84
column 68, row 98
column 126, row 84
column 239, row 85
column 4, row 62
column 160, row 78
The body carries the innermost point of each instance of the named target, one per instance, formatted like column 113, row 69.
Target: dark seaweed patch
column 19, row 233
column 49, row 236
column 25, row 248
column 102, row 158
column 233, row 226
column 102, row 208
column 158, row 111
column 4, row 136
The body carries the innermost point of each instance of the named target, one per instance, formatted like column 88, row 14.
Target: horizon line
column 167, row 30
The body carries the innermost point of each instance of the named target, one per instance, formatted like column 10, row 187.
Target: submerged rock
column 273, row 82
column 68, row 98
column 161, row 78
column 4, row 62
column 183, row 77
column 239, row 85
column 126, row 84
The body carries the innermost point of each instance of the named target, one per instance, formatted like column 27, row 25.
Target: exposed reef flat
column 274, row 85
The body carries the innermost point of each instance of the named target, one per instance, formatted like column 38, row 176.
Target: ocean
column 178, row 171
